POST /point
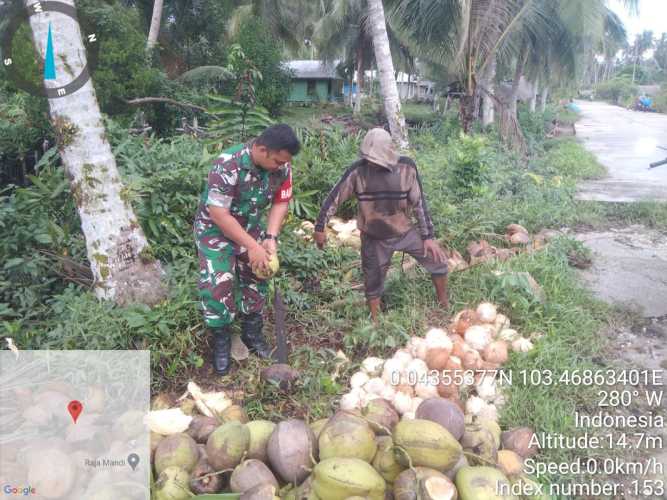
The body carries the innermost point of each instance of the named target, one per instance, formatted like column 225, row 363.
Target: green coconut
column 270, row 270
column 406, row 485
column 227, row 444
column 154, row 440
column 347, row 435
column 491, row 426
column 381, row 416
column 291, row 450
column 384, row 460
column 427, row 444
column 305, row 490
column 481, row 444
column 482, row 483
column 178, row 450
column 340, row 478
column 249, row 474
column 201, row 480
column 530, row 489
column 260, row 432
column 172, row 484
column 317, row 426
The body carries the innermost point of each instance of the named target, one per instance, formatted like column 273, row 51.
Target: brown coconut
column 281, row 374
column 463, row 320
column 458, row 346
column 406, row 485
column 518, row 440
column 249, row 474
column 201, row 427
column 515, row 228
column 520, row 239
column 291, row 450
column 260, row 492
column 443, row 412
column 179, row 450
column 448, row 390
column 436, row 358
column 472, row 360
column 201, row 480
column 381, row 416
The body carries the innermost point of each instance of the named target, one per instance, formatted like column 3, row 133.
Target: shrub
column 617, row 90
column 468, row 166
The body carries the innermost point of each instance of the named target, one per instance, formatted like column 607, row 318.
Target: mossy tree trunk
column 119, row 255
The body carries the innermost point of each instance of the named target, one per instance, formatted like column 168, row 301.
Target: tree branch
column 144, row 100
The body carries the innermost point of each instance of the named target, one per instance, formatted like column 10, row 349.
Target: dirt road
column 625, row 142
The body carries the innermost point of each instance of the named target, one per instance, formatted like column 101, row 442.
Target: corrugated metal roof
column 313, row 69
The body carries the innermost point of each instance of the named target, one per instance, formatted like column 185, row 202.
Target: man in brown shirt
column 389, row 195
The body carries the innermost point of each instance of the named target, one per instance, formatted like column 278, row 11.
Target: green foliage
column 660, row 100
column 567, row 158
column 617, row 90
column 469, row 166
column 266, row 55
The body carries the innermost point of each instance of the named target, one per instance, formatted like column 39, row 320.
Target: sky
column 652, row 16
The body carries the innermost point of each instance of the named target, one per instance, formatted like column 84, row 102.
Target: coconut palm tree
column 155, row 24
column 116, row 245
column 385, row 65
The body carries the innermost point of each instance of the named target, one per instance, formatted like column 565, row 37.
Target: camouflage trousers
column 227, row 284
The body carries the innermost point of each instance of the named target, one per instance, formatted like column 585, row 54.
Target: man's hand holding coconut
column 236, row 253
column 389, row 197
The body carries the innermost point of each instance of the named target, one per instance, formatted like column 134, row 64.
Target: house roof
column 313, row 69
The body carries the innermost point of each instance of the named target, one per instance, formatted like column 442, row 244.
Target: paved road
column 625, row 142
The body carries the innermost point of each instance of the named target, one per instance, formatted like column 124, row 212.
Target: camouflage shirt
column 237, row 184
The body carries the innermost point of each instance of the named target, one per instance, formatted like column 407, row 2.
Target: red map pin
column 75, row 408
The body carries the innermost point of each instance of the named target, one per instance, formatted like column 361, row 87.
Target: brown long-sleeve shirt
column 387, row 199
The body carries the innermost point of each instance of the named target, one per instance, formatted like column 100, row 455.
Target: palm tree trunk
column 155, row 24
column 392, row 104
column 533, row 98
column 489, row 88
column 518, row 73
column 119, row 255
column 544, row 97
column 360, row 80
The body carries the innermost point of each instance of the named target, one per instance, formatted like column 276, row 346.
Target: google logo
column 22, row 491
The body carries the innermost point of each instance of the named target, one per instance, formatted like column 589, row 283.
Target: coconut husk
column 239, row 349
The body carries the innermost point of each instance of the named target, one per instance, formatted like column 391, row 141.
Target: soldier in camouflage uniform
column 231, row 239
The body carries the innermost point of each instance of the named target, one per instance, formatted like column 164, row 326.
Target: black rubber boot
column 253, row 336
column 222, row 350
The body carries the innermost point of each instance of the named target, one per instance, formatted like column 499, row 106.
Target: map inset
column 71, row 425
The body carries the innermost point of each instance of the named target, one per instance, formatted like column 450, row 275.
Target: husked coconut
column 458, row 346
column 486, row 388
column 418, row 347
column 359, row 379
column 372, row 366
column 510, row 463
column 508, row 335
column 428, row 389
column 403, row 357
column 291, row 449
column 406, row 388
column 463, row 320
column 486, row 312
column 437, row 337
column 474, row 405
column 374, row 386
column 351, row 401
column 489, row 412
column 402, row 402
column 436, row 357
column 416, row 370
column 168, row 421
column 501, row 322
column 437, row 488
column 472, row 360
column 478, row 337
column 408, row 415
column 388, row 393
column 415, row 404
column 496, row 352
column 522, row 345
column 391, row 373
column 520, row 239
column 515, row 228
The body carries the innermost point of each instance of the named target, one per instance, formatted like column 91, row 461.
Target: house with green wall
column 314, row 81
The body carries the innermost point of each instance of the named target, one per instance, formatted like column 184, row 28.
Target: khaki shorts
column 376, row 259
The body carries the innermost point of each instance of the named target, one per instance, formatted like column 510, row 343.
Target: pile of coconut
column 340, row 232
column 397, row 435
